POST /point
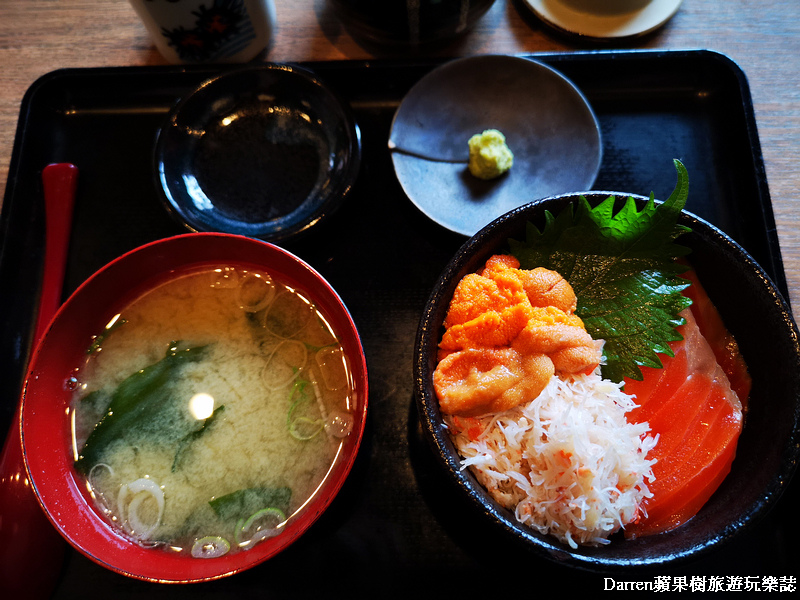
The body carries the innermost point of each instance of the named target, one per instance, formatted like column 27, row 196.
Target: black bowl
column 264, row 151
column 400, row 24
column 769, row 447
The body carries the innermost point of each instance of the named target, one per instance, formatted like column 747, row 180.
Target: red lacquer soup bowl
column 46, row 413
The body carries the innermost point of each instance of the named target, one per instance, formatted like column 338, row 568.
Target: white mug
column 206, row 31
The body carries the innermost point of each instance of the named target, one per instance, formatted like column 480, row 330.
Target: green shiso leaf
column 621, row 264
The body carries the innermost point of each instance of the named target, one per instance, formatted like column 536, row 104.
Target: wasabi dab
column 489, row 156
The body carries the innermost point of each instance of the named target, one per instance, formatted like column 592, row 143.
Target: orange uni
column 507, row 332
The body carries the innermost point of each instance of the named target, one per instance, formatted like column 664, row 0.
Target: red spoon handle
column 59, row 181
column 32, row 551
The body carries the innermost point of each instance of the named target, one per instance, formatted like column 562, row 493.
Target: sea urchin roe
column 489, row 156
column 221, row 402
column 507, row 332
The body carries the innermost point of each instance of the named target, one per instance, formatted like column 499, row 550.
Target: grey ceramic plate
column 548, row 124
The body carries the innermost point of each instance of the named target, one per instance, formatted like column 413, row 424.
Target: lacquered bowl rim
column 48, row 457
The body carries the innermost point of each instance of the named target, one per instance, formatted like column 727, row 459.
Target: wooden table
column 41, row 35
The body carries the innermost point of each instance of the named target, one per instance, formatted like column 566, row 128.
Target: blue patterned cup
column 208, row 31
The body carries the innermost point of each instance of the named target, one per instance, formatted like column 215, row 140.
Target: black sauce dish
column 752, row 309
column 266, row 151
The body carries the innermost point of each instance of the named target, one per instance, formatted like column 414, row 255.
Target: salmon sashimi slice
column 719, row 338
column 675, row 375
column 678, row 498
column 679, row 507
column 708, row 432
column 691, row 405
column 688, row 402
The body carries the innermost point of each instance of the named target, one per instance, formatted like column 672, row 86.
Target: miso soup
column 210, row 411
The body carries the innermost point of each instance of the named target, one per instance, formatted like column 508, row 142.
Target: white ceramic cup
column 207, row 31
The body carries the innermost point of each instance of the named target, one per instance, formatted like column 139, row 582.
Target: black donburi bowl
column 753, row 311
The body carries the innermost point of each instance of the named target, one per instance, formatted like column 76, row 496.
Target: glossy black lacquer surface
column 266, row 151
column 768, row 448
column 399, row 523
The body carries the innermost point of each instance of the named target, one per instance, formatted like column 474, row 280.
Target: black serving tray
column 397, row 525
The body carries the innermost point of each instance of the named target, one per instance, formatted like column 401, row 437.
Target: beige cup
column 208, row 31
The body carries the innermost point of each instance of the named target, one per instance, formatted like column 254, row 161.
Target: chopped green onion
column 302, row 428
column 255, row 292
column 211, row 546
column 131, row 496
column 284, row 363
column 272, row 512
column 262, row 531
column 100, row 497
column 312, row 429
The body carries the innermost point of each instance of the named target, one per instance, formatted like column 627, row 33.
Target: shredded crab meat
column 567, row 463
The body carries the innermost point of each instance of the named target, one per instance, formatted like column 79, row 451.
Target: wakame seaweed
column 243, row 503
column 193, row 436
column 140, row 399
